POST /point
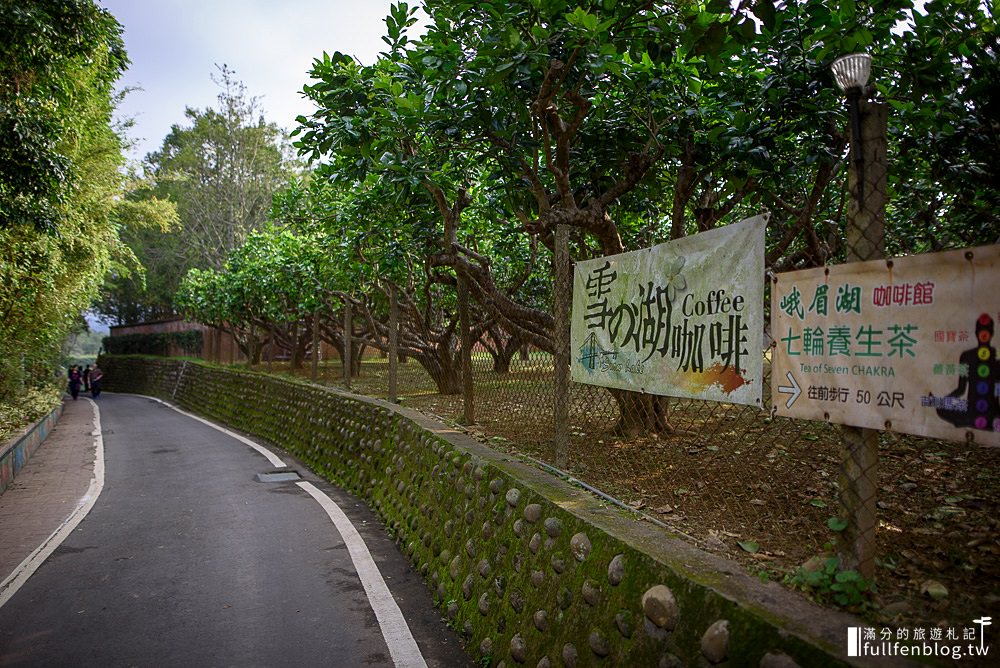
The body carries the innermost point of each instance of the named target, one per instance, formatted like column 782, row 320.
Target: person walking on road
column 86, row 378
column 74, row 381
column 95, row 380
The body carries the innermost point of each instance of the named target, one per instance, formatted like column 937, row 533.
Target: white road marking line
column 402, row 647
column 271, row 457
column 26, row 568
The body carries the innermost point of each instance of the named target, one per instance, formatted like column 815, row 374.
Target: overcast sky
column 175, row 44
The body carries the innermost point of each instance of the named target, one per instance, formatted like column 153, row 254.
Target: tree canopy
column 221, row 172
column 451, row 159
column 58, row 63
column 59, row 177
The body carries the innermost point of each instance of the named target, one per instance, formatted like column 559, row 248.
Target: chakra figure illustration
column 981, row 385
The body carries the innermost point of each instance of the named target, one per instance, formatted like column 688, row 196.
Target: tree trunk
column 299, row 342
column 642, row 414
column 502, row 360
column 444, row 369
column 254, row 347
column 505, row 355
column 243, row 343
column 501, row 348
column 357, row 352
column 448, row 378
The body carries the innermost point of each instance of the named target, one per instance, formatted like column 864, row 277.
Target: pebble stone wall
column 530, row 570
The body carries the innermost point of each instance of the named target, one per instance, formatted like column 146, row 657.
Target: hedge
column 158, row 343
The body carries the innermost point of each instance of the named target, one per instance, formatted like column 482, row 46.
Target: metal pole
column 348, row 319
column 393, row 344
column 468, row 390
column 865, row 241
column 563, row 295
column 315, row 346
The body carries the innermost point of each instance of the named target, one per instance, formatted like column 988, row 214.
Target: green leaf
column 818, row 503
column 764, row 10
column 749, row 546
column 836, row 524
column 848, row 576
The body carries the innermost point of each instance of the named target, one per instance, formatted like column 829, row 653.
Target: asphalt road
column 187, row 560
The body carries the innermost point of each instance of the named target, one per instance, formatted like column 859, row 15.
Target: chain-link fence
column 917, row 514
column 737, row 480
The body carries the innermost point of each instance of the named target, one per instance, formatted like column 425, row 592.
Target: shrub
column 158, row 343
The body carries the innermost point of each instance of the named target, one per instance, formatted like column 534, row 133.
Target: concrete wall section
column 16, row 452
column 532, row 570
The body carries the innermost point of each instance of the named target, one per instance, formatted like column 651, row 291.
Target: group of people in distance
column 89, row 378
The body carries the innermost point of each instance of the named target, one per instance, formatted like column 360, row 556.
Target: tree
column 264, row 291
column 557, row 116
column 142, row 286
column 48, row 84
column 634, row 123
column 221, row 172
column 59, row 176
column 942, row 87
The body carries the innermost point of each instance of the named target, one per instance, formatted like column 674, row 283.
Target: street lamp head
column 851, row 71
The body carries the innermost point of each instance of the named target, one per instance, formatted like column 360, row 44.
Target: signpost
column 906, row 344
column 684, row 318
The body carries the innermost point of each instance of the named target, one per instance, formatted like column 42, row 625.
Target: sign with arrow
column 906, row 344
column 792, row 388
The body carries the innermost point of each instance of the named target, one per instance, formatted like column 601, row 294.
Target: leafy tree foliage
column 943, row 88
column 59, row 177
column 58, row 61
column 452, row 159
column 221, row 172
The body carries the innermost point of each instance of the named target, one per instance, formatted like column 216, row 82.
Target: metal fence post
column 468, row 390
column 251, row 345
column 315, row 346
column 561, row 310
column 270, row 351
column 393, row 344
column 348, row 327
column 865, row 241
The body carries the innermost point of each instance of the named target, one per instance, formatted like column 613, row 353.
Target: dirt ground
column 756, row 489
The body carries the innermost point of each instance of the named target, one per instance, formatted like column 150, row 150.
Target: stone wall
column 530, row 569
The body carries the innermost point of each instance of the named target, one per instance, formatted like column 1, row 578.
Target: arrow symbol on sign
column 792, row 389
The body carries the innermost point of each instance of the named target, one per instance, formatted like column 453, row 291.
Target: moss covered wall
column 532, row 571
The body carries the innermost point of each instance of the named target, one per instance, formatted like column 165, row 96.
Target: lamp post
column 865, row 241
column 851, row 73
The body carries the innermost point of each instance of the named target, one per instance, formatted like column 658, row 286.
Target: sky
column 174, row 46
